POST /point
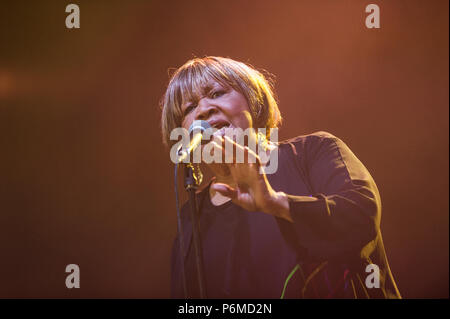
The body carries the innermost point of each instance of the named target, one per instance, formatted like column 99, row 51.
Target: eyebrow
column 205, row 90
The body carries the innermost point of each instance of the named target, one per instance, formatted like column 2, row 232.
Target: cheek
column 187, row 121
column 245, row 119
column 240, row 112
column 242, row 116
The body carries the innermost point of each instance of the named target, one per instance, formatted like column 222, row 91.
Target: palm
column 251, row 190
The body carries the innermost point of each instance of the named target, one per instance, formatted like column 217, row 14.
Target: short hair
column 194, row 75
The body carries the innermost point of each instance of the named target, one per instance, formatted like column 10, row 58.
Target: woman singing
column 310, row 229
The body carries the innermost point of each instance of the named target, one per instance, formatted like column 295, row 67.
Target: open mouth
column 221, row 125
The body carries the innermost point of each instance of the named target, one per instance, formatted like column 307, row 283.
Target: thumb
column 224, row 190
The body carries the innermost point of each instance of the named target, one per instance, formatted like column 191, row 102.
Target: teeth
column 221, row 130
column 219, row 127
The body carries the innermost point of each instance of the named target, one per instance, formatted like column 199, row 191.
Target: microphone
column 196, row 131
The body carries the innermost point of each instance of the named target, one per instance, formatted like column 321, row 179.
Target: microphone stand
column 191, row 183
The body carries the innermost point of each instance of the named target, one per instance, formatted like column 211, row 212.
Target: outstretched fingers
column 239, row 154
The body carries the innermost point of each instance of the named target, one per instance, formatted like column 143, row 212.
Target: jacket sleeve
column 343, row 214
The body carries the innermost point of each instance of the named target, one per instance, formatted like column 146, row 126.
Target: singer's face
column 220, row 105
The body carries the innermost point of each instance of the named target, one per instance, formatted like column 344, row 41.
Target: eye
column 189, row 109
column 217, row 94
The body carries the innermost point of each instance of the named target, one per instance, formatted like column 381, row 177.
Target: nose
column 205, row 109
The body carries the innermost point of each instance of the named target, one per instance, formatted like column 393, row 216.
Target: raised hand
column 251, row 189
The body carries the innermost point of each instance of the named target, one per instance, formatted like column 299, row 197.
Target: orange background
column 85, row 178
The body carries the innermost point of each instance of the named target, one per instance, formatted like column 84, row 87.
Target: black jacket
column 336, row 208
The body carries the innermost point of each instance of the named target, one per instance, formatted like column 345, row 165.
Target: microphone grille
column 199, row 125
